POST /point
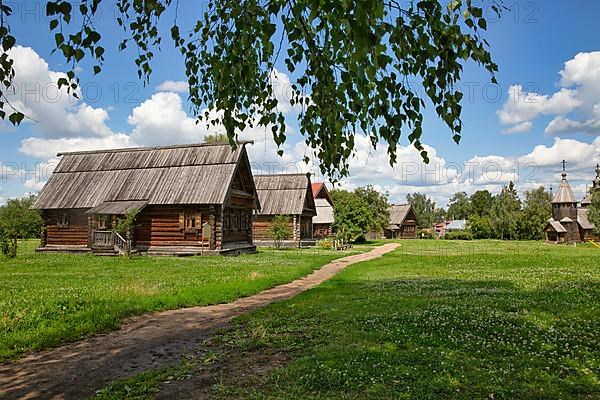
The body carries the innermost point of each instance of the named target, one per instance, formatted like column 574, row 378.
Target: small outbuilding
column 289, row 195
column 403, row 222
column 323, row 221
column 189, row 199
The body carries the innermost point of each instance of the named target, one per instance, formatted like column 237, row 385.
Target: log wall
column 74, row 233
column 162, row 226
column 261, row 225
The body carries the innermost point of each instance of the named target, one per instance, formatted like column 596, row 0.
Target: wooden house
column 191, row 199
column 403, row 222
column 569, row 222
column 288, row 195
column 323, row 221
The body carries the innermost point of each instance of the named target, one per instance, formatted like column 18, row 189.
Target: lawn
column 47, row 300
column 434, row 319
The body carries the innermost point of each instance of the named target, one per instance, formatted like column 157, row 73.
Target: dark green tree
column 537, row 209
column 439, row 215
column 359, row 212
column 424, row 208
column 480, row 227
column 459, row 206
column 594, row 211
column 18, row 221
column 367, row 67
column 505, row 213
column 481, row 203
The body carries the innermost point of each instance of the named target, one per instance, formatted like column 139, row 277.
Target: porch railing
column 121, row 243
column 103, row 239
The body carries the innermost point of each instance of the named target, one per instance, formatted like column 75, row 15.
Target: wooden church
column 569, row 222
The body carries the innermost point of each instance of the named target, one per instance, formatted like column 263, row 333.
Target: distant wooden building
column 569, row 222
column 323, row 221
column 192, row 199
column 289, row 195
column 403, row 222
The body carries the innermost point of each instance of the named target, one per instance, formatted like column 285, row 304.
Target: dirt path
column 144, row 343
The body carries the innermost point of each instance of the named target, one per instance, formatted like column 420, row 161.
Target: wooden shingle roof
column 288, row 194
column 399, row 213
column 564, row 194
column 169, row 175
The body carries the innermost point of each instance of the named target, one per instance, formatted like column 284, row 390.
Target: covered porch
column 103, row 223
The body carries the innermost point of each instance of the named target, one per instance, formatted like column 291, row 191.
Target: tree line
column 500, row 216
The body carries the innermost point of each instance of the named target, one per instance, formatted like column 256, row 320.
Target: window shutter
column 198, row 221
column 181, row 221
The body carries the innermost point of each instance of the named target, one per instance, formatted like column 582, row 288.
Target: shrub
column 8, row 246
column 459, row 235
column 280, row 230
column 424, row 234
column 360, row 240
column 325, row 244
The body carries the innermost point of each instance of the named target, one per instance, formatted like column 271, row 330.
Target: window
column 243, row 220
column 235, row 221
column 63, row 220
column 102, row 222
column 190, row 221
column 226, row 220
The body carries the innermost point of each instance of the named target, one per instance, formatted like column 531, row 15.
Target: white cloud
column 47, row 148
column 37, row 95
column 522, row 106
column 562, row 125
column 162, row 120
column 173, row 86
column 575, row 107
column 519, row 128
column 442, row 178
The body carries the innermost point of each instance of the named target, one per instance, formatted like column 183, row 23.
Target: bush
column 459, row 235
column 8, row 246
column 280, row 230
column 360, row 240
column 424, row 234
column 325, row 244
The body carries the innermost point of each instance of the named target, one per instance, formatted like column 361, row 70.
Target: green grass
column 438, row 319
column 47, row 300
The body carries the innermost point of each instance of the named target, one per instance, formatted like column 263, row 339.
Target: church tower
column 564, row 207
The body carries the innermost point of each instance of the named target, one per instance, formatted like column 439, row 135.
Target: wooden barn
column 569, row 222
column 403, row 222
column 323, row 221
column 289, row 195
column 191, row 200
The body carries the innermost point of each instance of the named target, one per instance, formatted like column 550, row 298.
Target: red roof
column 316, row 186
column 319, row 190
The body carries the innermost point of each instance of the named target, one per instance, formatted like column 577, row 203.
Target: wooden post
column 213, row 223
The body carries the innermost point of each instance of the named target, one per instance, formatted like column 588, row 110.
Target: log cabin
column 189, row 199
column 289, row 195
column 323, row 221
column 403, row 222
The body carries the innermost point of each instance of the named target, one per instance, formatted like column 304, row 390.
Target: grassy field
column 47, row 300
column 434, row 319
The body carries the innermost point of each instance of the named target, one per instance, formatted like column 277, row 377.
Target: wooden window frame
column 62, row 220
column 191, row 220
column 102, row 222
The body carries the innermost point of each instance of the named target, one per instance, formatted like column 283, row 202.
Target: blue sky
column 552, row 114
